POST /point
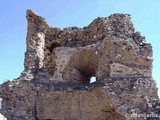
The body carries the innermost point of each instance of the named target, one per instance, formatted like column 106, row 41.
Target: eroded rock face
column 59, row 63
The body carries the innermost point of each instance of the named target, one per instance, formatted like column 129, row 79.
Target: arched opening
column 92, row 79
column 82, row 67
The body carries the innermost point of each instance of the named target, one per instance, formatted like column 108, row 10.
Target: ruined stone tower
column 59, row 63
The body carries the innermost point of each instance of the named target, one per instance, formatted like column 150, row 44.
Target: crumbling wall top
column 113, row 39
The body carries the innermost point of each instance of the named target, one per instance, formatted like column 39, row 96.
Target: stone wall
column 59, row 63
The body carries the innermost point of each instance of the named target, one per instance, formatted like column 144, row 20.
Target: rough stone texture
column 59, row 63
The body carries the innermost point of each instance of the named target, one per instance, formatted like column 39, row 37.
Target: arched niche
column 81, row 67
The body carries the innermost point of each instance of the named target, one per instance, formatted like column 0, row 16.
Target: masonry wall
column 119, row 49
column 60, row 62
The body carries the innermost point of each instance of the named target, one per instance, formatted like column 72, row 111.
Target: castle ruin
column 59, row 64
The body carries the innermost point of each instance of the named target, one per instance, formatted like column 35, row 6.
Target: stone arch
column 81, row 67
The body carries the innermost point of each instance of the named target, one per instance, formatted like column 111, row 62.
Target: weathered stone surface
column 79, row 104
column 59, row 63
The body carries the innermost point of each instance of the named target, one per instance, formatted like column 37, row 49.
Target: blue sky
column 62, row 13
